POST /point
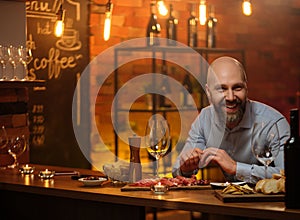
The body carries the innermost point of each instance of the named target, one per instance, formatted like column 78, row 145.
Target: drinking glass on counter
column 157, row 138
column 265, row 143
column 16, row 147
column 3, row 138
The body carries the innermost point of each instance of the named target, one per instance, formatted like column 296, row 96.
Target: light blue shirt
column 206, row 131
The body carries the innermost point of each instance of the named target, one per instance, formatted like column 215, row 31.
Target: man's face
column 227, row 91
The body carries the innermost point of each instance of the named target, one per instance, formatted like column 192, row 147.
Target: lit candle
column 159, row 188
column 46, row 174
column 26, row 169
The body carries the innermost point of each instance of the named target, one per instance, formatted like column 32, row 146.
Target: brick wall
column 270, row 38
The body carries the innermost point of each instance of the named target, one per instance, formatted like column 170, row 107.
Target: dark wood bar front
column 27, row 196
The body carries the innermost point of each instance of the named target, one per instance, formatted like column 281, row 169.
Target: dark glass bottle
column 187, row 98
column 171, row 28
column 153, row 28
column 211, row 24
column 165, row 87
column 291, row 164
column 192, row 28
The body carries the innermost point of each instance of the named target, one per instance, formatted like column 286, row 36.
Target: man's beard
column 231, row 119
column 235, row 118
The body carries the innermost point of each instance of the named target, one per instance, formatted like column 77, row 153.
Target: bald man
column 221, row 133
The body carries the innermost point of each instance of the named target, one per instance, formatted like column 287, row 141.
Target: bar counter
column 28, row 196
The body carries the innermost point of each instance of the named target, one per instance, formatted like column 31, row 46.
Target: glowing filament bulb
column 162, row 9
column 59, row 28
column 202, row 12
column 107, row 26
column 247, row 7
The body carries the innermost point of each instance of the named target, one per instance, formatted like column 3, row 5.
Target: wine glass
column 4, row 57
column 3, row 138
column 3, row 141
column 17, row 147
column 157, row 138
column 265, row 143
column 14, row 58
column 25, row 58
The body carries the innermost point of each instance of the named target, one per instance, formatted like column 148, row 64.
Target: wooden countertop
column 192, row 200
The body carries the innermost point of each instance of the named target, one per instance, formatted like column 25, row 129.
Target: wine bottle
column 291, row 164
column 165, row 87
column 187, row 98
column 192, row 28
column 211, row 28
column 153, row 28
column 171, row 28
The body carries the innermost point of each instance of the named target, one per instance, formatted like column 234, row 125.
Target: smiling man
column 222, row 132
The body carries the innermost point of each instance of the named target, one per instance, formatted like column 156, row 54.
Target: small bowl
column 159, row 188
column 92, row 181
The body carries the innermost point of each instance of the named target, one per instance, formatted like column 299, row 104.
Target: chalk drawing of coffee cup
column 69, row 40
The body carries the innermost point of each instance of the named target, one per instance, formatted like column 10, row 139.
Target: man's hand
column 190, row 160
column 220, row 157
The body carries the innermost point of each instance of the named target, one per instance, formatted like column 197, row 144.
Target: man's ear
column 208, row 93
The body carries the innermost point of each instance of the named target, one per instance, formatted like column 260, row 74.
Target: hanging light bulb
column 162, row 9
column 59, row 24
column 202, row 12
column 107, row 21
column 247, row 7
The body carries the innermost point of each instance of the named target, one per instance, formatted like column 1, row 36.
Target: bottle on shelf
column 153, row 28
column 291, row 158
column 187, row 98
column 192, row 28
column 211, row 24
column 171, row 28
column 165, row 87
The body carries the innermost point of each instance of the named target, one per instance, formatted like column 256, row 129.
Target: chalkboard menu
column 59, row 61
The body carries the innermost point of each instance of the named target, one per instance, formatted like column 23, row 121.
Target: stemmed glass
column 3, row 141
column 17, row 147
column 25, row 58
column 3, row 138
column 14, row 58
column 4, row 57
column 265, row 143
column 157, row 138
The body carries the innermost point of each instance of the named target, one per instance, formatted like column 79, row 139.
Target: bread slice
column 259, row 185
column 281, row 185
column 270, row 187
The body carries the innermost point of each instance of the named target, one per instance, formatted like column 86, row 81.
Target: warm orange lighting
column 202, row 12
column 162, row 9
column 59, row 24
column 107, row 21
column 107, row 26
column 247, row 7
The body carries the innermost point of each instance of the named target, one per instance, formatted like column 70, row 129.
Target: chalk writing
column 54, row 63
column 38, row 126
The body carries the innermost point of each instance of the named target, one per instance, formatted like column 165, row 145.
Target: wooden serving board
column 256, row 197
column 140, row 188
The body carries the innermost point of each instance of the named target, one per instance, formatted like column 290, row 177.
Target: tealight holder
column 26, row 169
column 46, row 174
column 159, row 188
